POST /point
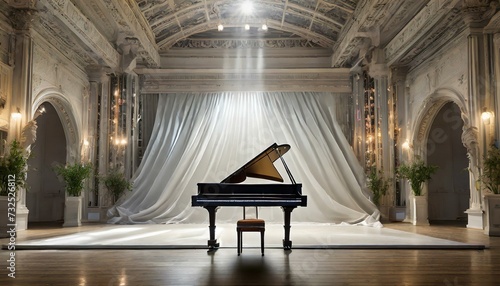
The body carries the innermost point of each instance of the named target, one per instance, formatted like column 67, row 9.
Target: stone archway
column 423, row 132
column 45, row 198
column 448, row 193
column 60, row 145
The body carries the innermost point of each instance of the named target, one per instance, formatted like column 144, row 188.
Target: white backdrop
column 202, row 138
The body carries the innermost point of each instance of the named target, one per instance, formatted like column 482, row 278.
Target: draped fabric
column 205, row 137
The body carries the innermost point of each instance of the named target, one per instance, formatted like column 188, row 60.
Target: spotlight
column 247, row 27
column 264, row 27
column 247, row 7
column 220, row 27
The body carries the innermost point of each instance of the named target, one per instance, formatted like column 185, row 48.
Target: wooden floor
column 277, row 267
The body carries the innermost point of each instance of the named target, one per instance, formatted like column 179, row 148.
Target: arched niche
column 66, row 115
column 422, row 131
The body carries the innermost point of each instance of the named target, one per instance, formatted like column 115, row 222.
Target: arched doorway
column 45, row 197
column 449, row 189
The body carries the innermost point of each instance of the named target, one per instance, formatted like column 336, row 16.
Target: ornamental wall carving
column 445, row 70
column 85, row 30
column 418, row 28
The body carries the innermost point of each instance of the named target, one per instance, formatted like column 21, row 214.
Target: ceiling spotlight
column 247, row 27
column 247, row 7
column 220, row 27
column 264, row 27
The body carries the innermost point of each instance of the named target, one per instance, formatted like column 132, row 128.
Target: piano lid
column 261, row 166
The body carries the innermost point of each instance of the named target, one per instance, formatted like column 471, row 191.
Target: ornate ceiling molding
column 85, row 30
column 127, row 14
column 318, row 21
column 244, row 43
column 305, row 33
column 419, row 27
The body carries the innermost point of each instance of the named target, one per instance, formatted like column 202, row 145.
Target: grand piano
column 230, row 192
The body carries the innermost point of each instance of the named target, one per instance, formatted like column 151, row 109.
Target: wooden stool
column 250, row 225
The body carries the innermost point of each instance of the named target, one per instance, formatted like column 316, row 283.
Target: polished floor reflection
column 277, row 267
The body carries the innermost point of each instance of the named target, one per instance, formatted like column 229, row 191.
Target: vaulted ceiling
column 318, row 22
column 96, row 32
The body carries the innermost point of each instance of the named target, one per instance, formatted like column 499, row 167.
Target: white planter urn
column 492, row 214
column 72, row 211
column 419, row 210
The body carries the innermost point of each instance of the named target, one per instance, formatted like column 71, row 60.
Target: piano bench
column 250, row 225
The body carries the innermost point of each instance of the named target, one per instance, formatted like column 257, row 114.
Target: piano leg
column 212, row 242
column 287, row 243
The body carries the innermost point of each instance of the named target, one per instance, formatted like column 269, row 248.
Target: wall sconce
column 486, row 116
column 17, row 115
column 406, row 145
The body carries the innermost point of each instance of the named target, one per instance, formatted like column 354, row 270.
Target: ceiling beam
column 78, row 23
column 417, row 29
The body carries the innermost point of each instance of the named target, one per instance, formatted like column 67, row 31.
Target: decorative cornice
column 417, row 28
column 127, row 14
column 69, row 14
column 431, row 43
column 239, row 43
column 213, row 80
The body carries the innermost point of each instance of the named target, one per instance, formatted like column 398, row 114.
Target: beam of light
column 247, row 8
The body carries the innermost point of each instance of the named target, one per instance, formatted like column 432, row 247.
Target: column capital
column 97, row 73
column 23, row 18
column 477, row 13
column 127, row 47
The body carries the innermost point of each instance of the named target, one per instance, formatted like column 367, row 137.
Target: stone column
column 400, row 119
column 384, row 136
column 22, row 18
column 97, row 109
column 475, row 131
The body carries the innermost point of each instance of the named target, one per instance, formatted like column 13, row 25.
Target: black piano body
column 229, row 193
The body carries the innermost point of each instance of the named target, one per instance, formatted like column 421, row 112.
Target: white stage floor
column 196, row 236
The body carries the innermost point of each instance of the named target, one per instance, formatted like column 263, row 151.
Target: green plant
column 74, row 175
column 377, row 184
column 416, row 173
column 491, row 170
column 13, row 167
column 116, row 183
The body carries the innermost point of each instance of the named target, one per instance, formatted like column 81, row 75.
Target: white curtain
column 202, row 138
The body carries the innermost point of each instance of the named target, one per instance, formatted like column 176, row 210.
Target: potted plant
column 377, row 184
column 491, row 179
column 73, row 175
column 116, row 184
column 417, row 173
column 13, row 167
